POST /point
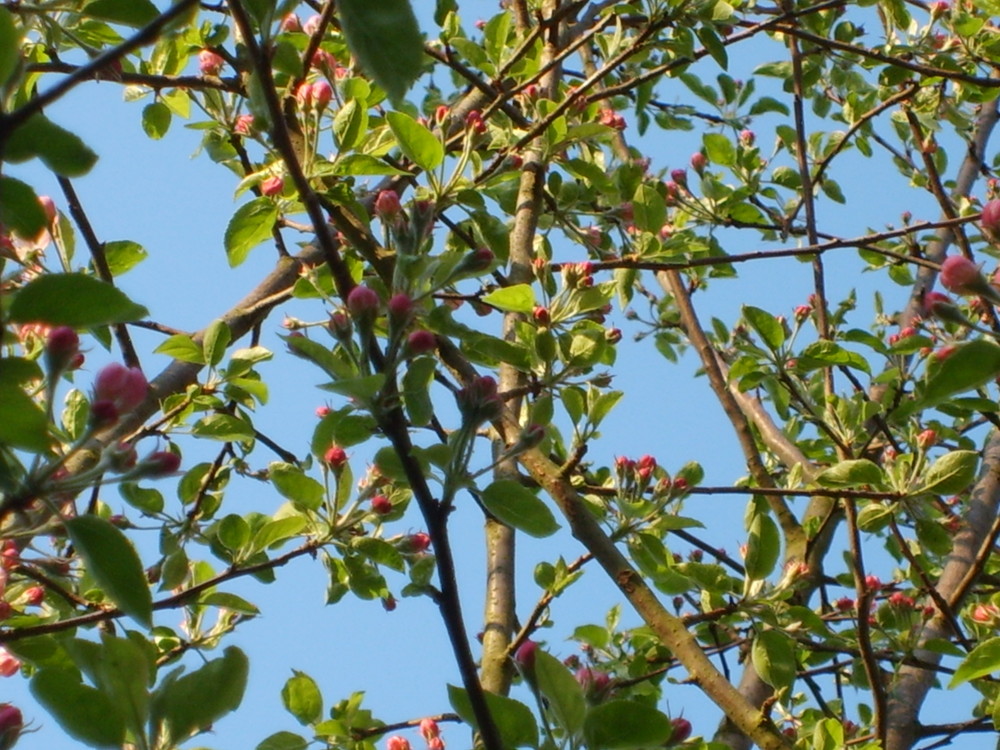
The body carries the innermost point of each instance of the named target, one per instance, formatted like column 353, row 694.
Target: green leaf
column 649, row 208
column 20, row 210
column 773, row 657
column 852, row 474
column 113, row 563
column 385, row 37
column 133, row 13
column 182, row 347
column 519, row 507
column 766, row 326
column 951, row 473
column 364, row 164
column 291, row 482
column 968, row 367
column 713, row 44
column 156, row 119
column 185, row 705
column 719, row 149
column 563, row 691
column 225, row 600
column 251, row 225
column 624, row 724
column 822, row 354
column 123, row 255
column 275, row 532
column 419, row 144
column 763, row 546
column 284, row 741
column 302, row 698
column 24, row 424
column 350, row 125
column 416, row 390
column 10, row 44
column 234, row 532
column 217, row 338
column 73, row 299
column 983, row 660
column 513, row 719
column 60, row 150
column 518, row 298
column 84, row 712
column 223, row 427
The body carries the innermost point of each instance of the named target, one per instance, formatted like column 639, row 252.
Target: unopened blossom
column 210, row 63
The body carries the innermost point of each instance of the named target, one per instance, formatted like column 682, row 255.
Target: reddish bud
column 421, row 342
column 159, row 464
column 397, row 743
column 382, row 505
column 873, row 583
column 613, row 335
column 11, row 724
column 429, row 729
column 927, row 439
column 103, row 413
column 480, row 259
column 901, row 600
column 681, row 730
column 698, row 162
column 747, row 138
column 680, row 176
column 34, row 596
column 10, row 556
column 594, row 683
column 210, row 63
column 322, row 93
column 335, row 457
column 322, row 411
column 272, row 186
column 524, row 657
column 986, row 614
column 541, row 316
column 243, row 125
column 9, row 664
column 387, row 204
column 304, row 95
column 844, row 604
column 400, row 308
column 419, row 542
column 61, row 348
column 340, row 326
column 389, row 603
column 125, row 387
column 474, row 121
column 363, row 303
column 990, row 220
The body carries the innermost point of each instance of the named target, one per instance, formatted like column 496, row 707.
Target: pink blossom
column 210, row 63
column 429, row 729
column 124, row 387
column 243, row 125
column 9, row 664
column 322, row 93
column 397, row 743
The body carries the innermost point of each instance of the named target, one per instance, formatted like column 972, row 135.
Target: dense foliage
column 463, row 206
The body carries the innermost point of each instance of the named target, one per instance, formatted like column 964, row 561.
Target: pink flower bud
column 382, row 505
column 322, row 411
column 400, row 308
column 844, row 604
column 421, row 342
column 335, row 457
column 698, row 162
column 389, row 603
column 11, row 724
column 243, row 125
column 397, row 743
column 9, row 664
column 478, row 260
column 311, row 26
column 49, row 207
column 524, row 657
column 681, row 730
column 34, row 595
column 340, row 326
column 419, row 542
column 210, row 63
column 872, row 583
column 322, row 93
column 541, row 316
column 387, row 204
column 61, row 347
column 594, row 683
column 304, row 95
column 10, row 556
column 159, row 464
column 124, row 387
column 103, row 413
column 962, row 276
column 272, row 186
column 429, row 729
column 990, row 220
column 747, row 138
column 474, row 120
column 363, row 303
column 986, row 614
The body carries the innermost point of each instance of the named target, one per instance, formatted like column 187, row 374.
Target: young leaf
column 217, row 338
column 73, row 299
column 250, row 225
column 968, row 367
column 983, row 660
column 763, row 546
column 951, row 473
column 223, row 427
column 113, row 563
column 419, row 144
column 766, row 326
column 182, row 347
column 302, row 698
column 517, row 298
column 774, row 658
column 624, row 724
column 291, row 482
column 127, row 12
column 851, row 474
column 519, row 507
column 385, row 37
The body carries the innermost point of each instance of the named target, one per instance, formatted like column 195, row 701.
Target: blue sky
column 178, row 208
